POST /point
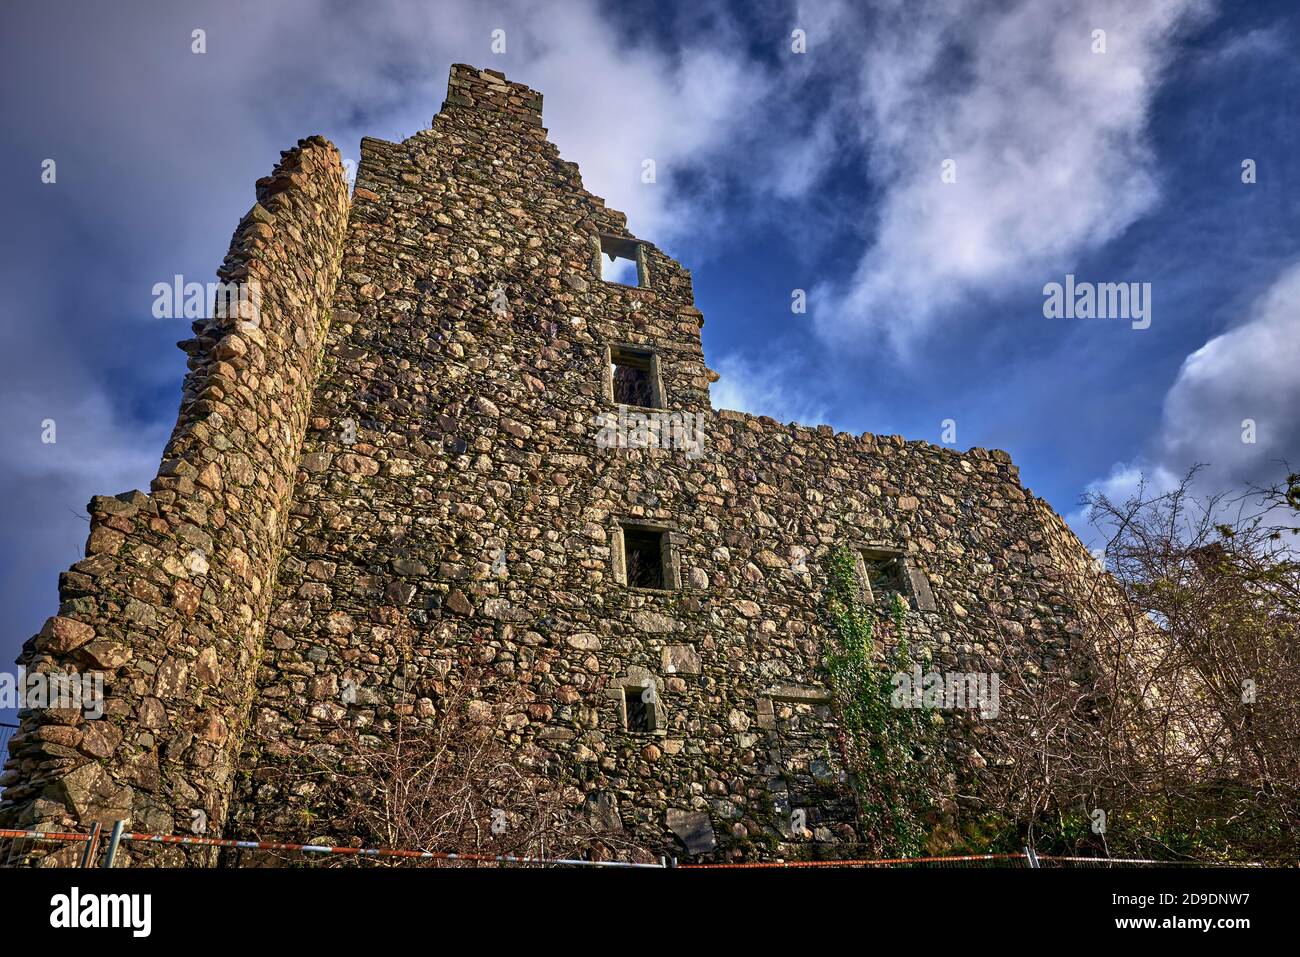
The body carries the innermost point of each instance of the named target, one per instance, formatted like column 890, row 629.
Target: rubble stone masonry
column 398, row 465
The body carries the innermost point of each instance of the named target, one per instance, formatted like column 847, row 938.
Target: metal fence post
column 1032, row 858
column 88, row 855
column 114, row 840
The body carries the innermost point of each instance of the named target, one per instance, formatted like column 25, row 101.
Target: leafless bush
column 450, row 783
column 1171, row 723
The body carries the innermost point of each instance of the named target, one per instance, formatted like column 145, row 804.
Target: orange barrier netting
column 185, row 839
column 45, row 835
column 194, row 840
column 881, row 862
column 324, row 849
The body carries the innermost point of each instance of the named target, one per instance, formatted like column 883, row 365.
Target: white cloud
column 764, row 389
column 609, row 109
column 95, row 450
column 1049, row 138
column 1249, row 47
column 1126, row 481
column 611, row 99
column 1127, row 478
column 1247, row 374
column 1251, row 372
column 46, row 486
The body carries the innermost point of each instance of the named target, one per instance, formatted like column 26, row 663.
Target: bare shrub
column 450, row 782
column 1170, row 725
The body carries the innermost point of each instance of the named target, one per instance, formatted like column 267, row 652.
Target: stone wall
column 172, row 598
column 453, row 500
column 336, row 546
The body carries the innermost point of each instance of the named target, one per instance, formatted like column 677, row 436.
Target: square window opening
column 883, row 574
column 618, row 270
column 620, row 261
column 634, row 378
column 643, row 558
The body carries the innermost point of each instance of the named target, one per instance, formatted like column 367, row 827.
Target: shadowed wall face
column 474, row 497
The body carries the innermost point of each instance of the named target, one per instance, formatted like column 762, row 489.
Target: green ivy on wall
column 894, row 755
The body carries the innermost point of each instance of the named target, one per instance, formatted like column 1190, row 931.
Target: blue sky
column 775, row 171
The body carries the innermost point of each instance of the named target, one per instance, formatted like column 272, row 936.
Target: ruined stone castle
column 444, row 430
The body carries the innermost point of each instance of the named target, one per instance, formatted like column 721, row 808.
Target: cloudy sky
column 921, row 171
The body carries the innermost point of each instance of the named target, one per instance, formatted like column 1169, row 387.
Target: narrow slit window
column 638, row 710
column 634, row 378
column 620, row 261
column 643, row 558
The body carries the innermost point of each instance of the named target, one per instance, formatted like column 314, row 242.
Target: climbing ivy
column 894, row 755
